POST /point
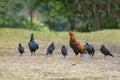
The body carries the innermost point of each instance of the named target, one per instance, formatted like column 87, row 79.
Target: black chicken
column 21, row 49
column 33, row 46
column 105, row 51
column 64, row 50
column 50, row 49
column 90, row 49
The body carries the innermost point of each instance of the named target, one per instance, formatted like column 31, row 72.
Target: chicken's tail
column 111, row 55
column 37, row 46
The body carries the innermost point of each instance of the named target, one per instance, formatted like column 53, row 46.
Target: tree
column 9, row 12
column 46, row 9
column 32, row 5
column 99, row 13
column 69, row 11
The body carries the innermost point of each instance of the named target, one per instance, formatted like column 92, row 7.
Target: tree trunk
column 49, row 19
column 31, row 16
column 31, row 19
column 50, row 24
column 71, row 20
column 97, row 18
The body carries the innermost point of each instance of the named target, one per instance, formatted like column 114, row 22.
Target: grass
column 40, row 67
column 14, row 36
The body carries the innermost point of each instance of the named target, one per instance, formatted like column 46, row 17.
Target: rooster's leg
column 81, row 54
column 76, row 57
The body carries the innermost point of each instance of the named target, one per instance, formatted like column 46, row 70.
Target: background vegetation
column 59, row 15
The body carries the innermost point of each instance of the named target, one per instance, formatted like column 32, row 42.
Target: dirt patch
column 42, row 67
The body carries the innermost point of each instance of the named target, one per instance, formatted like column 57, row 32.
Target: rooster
column 80, row 48
column 77, row 48
column 71, row 43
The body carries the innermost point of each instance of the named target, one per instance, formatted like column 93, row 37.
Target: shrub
column 83, row 28
column 38, row 26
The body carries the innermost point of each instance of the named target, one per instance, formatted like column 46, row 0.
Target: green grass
column 11, row 36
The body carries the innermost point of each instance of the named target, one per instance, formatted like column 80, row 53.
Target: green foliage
column 84, row 28
column 9, row 10
column 8, row 20
column 110, row 23
column 62, row 14
column 37, row 26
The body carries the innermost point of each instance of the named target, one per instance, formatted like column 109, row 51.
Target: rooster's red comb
column 70, row 32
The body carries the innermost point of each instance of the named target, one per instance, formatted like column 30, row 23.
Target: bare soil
column 42, row 67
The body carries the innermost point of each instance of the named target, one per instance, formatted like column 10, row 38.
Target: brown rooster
column 77, row 48
column 81, row 49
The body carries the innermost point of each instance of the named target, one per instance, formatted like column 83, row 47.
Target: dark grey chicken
column 33, row 46
column 90, row 49
column 105, row 51
column 64, row 50
column 21, row 49
column 50, row 49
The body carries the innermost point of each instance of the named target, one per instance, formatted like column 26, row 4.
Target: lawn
column 14, row 36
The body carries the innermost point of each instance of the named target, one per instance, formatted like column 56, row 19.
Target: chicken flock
column 76, row 46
